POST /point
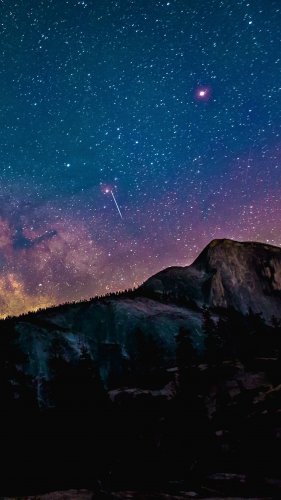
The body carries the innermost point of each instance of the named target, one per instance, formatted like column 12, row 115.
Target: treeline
column 177, row 297
column 128, row 293
column 234, row 335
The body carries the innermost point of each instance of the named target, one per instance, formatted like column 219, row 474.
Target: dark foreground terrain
column 169, row 391
column 128, row 495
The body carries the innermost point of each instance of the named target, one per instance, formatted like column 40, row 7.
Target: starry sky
column 170, row 107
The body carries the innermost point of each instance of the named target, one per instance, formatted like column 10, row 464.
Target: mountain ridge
column 110, row 327
column 197, row 263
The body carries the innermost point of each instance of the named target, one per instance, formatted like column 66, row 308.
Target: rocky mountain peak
column 228, row 273
column 227, row 249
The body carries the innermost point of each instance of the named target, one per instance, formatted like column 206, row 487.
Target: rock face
column 116, row 333
column 117, row 330
column 227, row 274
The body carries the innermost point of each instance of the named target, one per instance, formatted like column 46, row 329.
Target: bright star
column 203, row 93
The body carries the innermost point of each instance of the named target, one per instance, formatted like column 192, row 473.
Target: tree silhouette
column 148, row 357
column 186, row 356
column 17, row 391
column 213, row 340
column 75, row 383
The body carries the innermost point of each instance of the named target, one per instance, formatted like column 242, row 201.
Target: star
column 203, row 93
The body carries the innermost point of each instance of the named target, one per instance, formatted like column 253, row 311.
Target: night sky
column 172, row 107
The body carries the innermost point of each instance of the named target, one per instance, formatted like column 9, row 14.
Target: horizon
column 120, row 292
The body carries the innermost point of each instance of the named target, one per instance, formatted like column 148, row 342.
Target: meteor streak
column 108, row 190
column 117, row 206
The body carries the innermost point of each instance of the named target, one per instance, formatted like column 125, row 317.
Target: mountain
column 174, row 386
column 117, row 330
column 226, row 274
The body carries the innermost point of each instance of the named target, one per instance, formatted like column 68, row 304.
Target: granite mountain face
column 118, row 329
column 227, row 274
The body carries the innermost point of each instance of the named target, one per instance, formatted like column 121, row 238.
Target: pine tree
column 212, row 338
column 186, row 356
column 76, row 383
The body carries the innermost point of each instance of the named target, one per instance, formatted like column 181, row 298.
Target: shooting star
column 108, row 190
column 117, row 206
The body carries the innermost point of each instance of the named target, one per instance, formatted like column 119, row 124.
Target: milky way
column 173, row 104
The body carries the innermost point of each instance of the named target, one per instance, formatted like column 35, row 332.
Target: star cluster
column 171, row 106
